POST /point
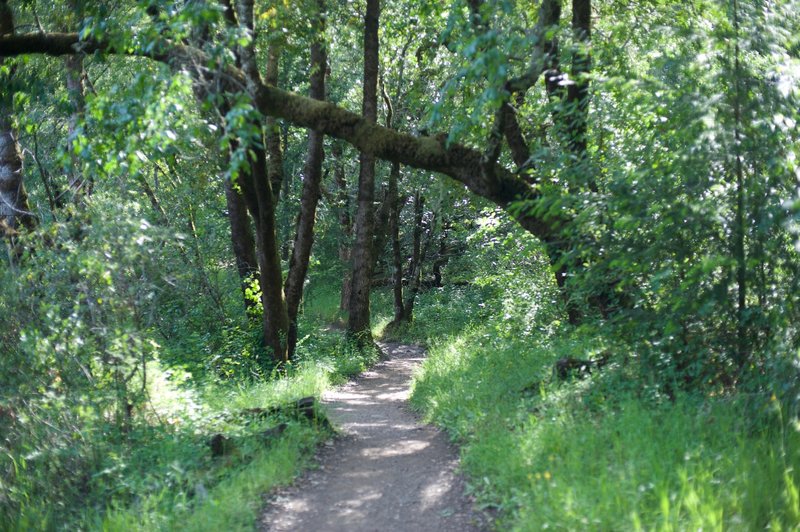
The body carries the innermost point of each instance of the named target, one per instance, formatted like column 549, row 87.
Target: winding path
column 387, row 473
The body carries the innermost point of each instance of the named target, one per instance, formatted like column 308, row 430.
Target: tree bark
column 76, row 88
column 418, row 254
column 345, row 222
column 14, row 206
column 75, row 78
column 742, row 348
column 242, row 241
column 359, row 318
column 578, row 92
column 276, row 317
column 394, row 234
column 264, row 164
column 273, row 132
column 312, row 176
column 241, row 231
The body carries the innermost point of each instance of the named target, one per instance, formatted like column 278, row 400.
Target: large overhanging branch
column 461, row 163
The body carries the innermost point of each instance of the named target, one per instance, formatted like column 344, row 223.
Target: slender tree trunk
column 381, row 225
column 570, row 117
column 265, row 172
column 236, row 194
column 394, row 234
column 13, row 197
column 312, row 176
column 418, row 254
column 76, row 88
column 441, row 258
column 276, row 317
column 345, row 222
column 242, row 241
column 578, row 92
column 273, row 131
column 359, row 319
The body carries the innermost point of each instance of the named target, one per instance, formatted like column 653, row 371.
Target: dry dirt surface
column 387, row 472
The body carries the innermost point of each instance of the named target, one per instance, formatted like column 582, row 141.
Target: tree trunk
column 394, row 234
column 75, row 81
column 570, row 118
column 13, row 197
column 304, row 236
column 359, row 319
column 418, row 254
column 273, row 132
column 441, row 258
column 381, row 225
column 263, row 198
column 740, row 228
column 578, row 92
column 244, row 246
column 76, row 88
column 276, row 317
column 345, row 222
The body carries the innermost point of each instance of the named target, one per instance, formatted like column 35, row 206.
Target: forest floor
column 386, row 470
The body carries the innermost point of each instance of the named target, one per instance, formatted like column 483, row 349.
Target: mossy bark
column 359, row 318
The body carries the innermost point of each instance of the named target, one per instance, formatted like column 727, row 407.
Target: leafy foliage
column 129, row 338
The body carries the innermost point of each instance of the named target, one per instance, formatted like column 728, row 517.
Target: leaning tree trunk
column 359, row 319
column 304, row 236
column 13, row 198
column 261, row 198
column 236, row 193
column 491, row 180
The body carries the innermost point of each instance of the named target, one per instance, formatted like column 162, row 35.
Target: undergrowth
column 593, row 454
column 67, row 467
column 615, row 450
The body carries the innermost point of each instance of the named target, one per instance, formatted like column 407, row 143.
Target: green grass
column 159, row 474
column 232, row 504
column 605, row 453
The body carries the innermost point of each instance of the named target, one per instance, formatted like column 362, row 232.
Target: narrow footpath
column 387, row 472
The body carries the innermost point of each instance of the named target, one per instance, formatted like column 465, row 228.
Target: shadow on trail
column 387, row 472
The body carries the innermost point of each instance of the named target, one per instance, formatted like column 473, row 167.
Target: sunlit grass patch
column 232, row 504
column 592, row 454
column 159, row 472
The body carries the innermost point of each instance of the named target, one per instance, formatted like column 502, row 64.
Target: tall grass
column 604, row 453
column 159, row 472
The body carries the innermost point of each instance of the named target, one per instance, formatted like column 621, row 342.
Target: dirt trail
column 388, row 472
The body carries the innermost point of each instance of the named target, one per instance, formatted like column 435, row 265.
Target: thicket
column 605, row 450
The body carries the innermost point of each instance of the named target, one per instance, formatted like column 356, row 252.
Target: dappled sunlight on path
column 388, row 472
